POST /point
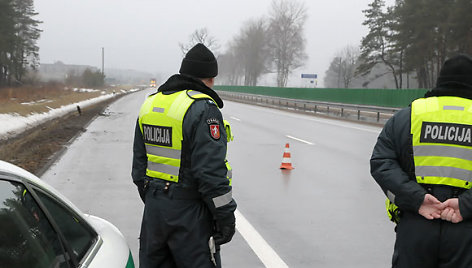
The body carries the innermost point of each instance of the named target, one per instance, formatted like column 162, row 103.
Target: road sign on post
column 311, row 80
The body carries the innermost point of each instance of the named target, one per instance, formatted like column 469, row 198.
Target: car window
column 27, row 238
column 78, row 234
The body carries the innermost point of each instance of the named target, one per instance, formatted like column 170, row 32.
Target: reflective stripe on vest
column 441, row 128
column 160, row 120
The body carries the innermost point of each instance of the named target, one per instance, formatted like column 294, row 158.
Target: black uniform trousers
column 423, row 243
column 175, row 230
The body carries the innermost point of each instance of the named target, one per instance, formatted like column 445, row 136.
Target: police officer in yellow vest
column 423, row 163
column 180, row 168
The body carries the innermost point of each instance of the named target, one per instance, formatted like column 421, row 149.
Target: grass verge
column 29, row 100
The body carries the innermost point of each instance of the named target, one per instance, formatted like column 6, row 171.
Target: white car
column 39, row 227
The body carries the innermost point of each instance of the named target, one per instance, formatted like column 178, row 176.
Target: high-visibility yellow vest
column 441, row 128
column 160, row 120
column 393, row 211
column 229, row 137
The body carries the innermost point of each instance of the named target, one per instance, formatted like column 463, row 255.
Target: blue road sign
column 312, row 76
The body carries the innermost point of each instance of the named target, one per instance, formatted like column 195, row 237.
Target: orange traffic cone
column 286, row 161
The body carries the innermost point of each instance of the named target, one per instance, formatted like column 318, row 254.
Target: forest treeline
column 407, row 41
column 19, row 33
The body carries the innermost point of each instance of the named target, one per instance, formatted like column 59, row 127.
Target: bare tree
column 287, row 43
column 230, row 69
column 200, row 36
column 251, row 47
column 342, row 69
column 350, row 59
column 332, row 78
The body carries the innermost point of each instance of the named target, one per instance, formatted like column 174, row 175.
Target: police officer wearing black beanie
column 422, row 162
column 179, row 168
column 199, row 62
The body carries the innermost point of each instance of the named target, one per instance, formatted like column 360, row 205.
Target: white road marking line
column 324, row 121
column 235, row 118
column 346, row 126
column 263, row 251
column 300, row 140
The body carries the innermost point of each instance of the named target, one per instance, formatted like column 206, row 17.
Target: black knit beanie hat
column 199, row 62
column 456, row 72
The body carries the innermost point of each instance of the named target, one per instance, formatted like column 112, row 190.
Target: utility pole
column 339, row 71
column 103, row 61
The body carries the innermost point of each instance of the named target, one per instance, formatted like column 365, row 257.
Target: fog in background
column 144, row 35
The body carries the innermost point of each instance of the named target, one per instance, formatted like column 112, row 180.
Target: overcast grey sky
column 144, row 35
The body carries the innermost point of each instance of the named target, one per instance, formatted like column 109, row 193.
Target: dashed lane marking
column 235, row 118
column 257, row 243
column 300, row 140
column 346, row 125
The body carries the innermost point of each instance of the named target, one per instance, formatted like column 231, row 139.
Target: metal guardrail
column 371, row 114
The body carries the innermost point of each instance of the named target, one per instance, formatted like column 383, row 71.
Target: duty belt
column 443, row 192
column 171, row 189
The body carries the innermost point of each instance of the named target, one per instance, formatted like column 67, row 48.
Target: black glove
column 225, row 230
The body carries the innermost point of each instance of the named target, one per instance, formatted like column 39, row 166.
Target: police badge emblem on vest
column 215, row 131
column 214, row 125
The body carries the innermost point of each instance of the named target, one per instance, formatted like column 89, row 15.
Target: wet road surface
column 327, row 212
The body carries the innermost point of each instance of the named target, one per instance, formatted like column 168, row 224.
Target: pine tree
column 25, row 53
column 416, row 36
column 7, row 37
column 18, row 35
column 461, row 27
column 422, row 33
column 377, row 46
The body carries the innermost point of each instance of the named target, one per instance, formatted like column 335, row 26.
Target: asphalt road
column 327, row 212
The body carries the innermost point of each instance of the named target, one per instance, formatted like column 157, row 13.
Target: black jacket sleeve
column 465, row 204
column 207, row 159
column 138, row 171
column 392, row 166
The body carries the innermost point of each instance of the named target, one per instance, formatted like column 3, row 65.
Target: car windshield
column 27, row 238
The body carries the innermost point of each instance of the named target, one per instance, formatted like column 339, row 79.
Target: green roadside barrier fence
column 376, row 97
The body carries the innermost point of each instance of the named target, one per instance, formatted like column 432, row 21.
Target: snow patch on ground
column 85, row 90
column 35, row 102
column 13, row 124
